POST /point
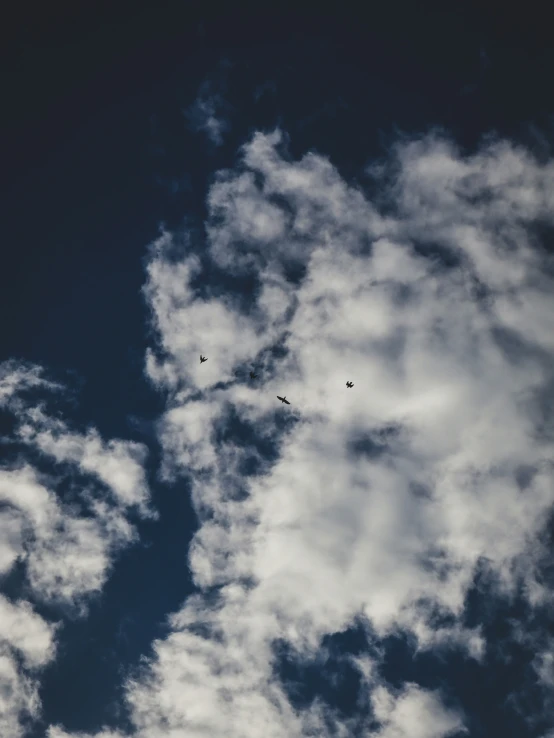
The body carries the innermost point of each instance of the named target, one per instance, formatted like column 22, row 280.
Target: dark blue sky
column 97, row 152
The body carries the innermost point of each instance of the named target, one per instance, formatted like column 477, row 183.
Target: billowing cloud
column 26, row 644
column 65, row 543
column 431, row 292
column 412, row 713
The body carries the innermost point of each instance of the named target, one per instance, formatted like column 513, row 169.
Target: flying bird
column 203, row 359
column 349, row 385
column 283, row 399
column 253, row 375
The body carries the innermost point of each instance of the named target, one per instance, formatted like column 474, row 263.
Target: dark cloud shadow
column 374, row 443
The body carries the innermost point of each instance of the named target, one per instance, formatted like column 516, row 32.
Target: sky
column 318, row 198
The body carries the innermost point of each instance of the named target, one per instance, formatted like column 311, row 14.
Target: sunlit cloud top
column 382, row 502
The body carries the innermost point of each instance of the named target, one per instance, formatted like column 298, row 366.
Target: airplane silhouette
column 349, row 385
column 283, row 399
column 252, row 375
column 203, row 359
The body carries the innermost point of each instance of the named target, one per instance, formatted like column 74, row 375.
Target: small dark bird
column 203, row 359
column 349, row 385
column 283, row 399
column 253, row 375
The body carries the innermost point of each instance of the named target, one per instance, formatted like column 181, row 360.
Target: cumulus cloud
column 431, row 293
column 26, row 639
column 412, row 713
column 26, row 632
column 118, row 464
column 66, row 543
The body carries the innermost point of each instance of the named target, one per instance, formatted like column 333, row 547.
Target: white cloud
column 17, row 377
column 26, row 632
column 57, row 732
column 26, row 644
column 18, row 697
column 384, row 499
column 66, row 546
column 412, row 714
column 118, row 464
column 67, row 555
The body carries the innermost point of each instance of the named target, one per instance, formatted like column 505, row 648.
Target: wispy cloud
column 64, row 543
column 266, row 88
column 379, row 502
column 209, row 113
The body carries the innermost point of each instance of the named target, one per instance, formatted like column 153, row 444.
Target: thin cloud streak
column 207, row 114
